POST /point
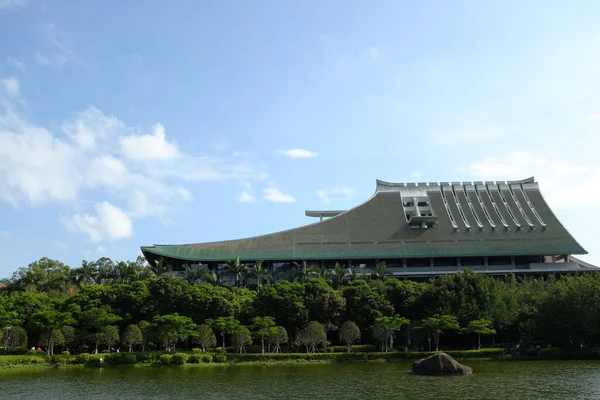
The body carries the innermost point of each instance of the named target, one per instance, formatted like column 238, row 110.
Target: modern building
column 419, row 229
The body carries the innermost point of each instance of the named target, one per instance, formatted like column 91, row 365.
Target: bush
column 196, row 350
column 164, row 359
column 129, row 359
column 194, row 359
column 219, row 358
column 207, row 358
column 19, row 351
column 82, row 358
column 114, row 359
column 179, row 358
column 65, row 353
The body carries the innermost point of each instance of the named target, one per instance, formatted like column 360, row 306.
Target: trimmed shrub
column 220, row 358
column 114, row 359
column 207, row 358
column 19, row 351
column 129, row 358
column 196, row 350
column 194, row 359
column 65, row 353
column 179, row 358
column 164, row 359
column 82, row 358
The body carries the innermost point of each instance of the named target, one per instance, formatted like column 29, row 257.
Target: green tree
column 277, row 336
column 132, row 335
column 349, row 334
column 95, row 319
column 438, row 324
column 206, row 337
column 14, row 337
column 68, row 335
column 109, row 335
column 169, row 329
column 261, row 326
column 479, row 327
column 146, row 330
column 260, row 273
column 238, row 268
column 240, row 338
column 385, row 329
column 313, row 336
column 48, row 324
column 224, row 326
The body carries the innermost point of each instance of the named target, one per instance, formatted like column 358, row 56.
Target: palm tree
column 260, row 272
column 209, row 276
column 84, row 275
column 380, row 272
column 192, row 274
column 338, row 275
column 160, row 266
column 305, row 270
column 236, row 267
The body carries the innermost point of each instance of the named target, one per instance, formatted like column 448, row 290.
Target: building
column 419, row 229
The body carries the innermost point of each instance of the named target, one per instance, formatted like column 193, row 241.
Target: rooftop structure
column 419, row 229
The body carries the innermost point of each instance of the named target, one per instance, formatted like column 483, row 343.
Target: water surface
column 546, row 380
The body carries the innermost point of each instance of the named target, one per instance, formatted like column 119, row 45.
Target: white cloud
column 565, row 184
column 416, row 175
column 85, row 158
column 92, row 127
column 10, row 86
column 298, row 153
column 275, row 195
column 325, row 195
column 101, row 249
column 108, row 223
column 374, row 54
column 149, row 147
column 57, row 53
column 594, row 117
column 6, row 4
column 246, row 197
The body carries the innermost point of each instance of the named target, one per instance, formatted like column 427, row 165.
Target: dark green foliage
column 219, row 358
column 194, row 359
column 70, row 309
column 179, row 358
column 207, row 358
column 165, row 359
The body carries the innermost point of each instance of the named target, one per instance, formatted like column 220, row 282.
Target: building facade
column 419, row 229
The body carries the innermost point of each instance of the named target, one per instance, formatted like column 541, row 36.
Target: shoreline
column 162, row 359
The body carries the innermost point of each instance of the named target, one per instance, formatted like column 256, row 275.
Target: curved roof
column 473, row 219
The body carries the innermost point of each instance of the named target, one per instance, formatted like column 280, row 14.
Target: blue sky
column 177, row 122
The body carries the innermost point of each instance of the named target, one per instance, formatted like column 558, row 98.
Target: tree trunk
column 478, row 341
column 223, row 336
column 262, row 341
column 130, row 346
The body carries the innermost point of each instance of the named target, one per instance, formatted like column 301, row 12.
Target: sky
column 125, row 124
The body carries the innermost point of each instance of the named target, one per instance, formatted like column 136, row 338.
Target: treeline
column 103, row 305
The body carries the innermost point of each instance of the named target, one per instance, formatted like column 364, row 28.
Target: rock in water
column 440, row 364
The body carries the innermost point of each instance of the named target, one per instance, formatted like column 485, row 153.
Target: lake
column 491, row 380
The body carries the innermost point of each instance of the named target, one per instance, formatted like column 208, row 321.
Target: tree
column 169, row 329
column 349, row 334
column 338, row 276
column 97, row 318
column 385, row 328
column 438, row 324
column 206, row 337
column 48, row 324
column 238, row 268
column 68, row 335
column 312, row 336
column 109, row 335
column 380, row 271
column 304, row 270
column 146, row 330
column 225, row 326
column 277, row 336
column 14, row 336
column 479, row 327
column 259, row 272
column 261, row 326
column 240, row 338
column 131, row 336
